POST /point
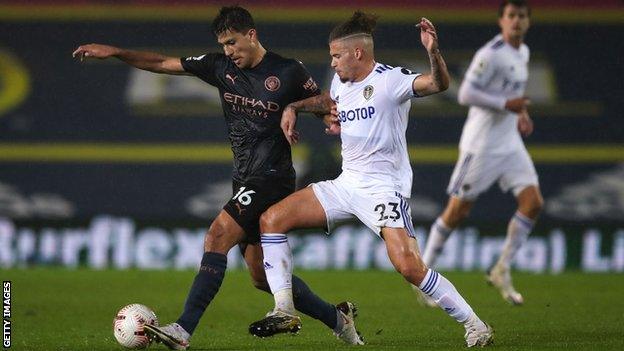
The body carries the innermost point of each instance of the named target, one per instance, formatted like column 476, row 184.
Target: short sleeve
column 400, row 83
column 306, row 84
column 203, row 66
column 482, row 68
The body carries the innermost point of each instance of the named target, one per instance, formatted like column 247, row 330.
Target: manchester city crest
column 368, row 92
column 272, row 83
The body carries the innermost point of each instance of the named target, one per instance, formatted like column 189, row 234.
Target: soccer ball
column 128, row 325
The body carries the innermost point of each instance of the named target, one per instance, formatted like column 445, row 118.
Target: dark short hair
column 232, row 18
column 359, row 23
column 516, row 3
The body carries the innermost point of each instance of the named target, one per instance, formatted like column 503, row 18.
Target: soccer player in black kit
column 255, row 86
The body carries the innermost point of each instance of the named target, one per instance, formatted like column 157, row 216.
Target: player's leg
column 471, row 175
column 304, row 299
column 455, row 212
column 520, row 176
column 530, row 204
column 408, row 262
column 222, row 235
column 298, row 210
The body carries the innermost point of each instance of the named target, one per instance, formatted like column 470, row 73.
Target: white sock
column 437, row 237
column 278, row 269
column 474, row 321
column 446, row 296
column 518, row 230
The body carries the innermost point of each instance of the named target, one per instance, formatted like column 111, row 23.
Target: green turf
column 56, row 309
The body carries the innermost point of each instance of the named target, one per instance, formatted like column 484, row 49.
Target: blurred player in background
column 373, row 101
column 491, row 146
column 255, row 85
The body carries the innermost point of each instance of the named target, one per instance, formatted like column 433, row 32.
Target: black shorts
column 251, row 198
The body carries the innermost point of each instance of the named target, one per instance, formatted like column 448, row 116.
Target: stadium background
column 103, row 165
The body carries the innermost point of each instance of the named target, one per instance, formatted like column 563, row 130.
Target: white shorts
column 343, row 202
column 475, row 173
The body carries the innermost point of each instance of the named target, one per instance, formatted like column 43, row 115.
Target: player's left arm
column 438, row 80
column 309, row 88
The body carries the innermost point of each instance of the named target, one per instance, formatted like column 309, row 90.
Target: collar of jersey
column 506, row 45
column 261, row 63
column 368, row 77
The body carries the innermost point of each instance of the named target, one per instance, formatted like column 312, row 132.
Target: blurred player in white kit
column 491, row 146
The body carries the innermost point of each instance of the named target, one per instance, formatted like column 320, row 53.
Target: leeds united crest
column 368, row 92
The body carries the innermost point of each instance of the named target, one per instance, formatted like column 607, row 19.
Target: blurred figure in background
column 491, row 146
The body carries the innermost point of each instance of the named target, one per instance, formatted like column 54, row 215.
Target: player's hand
column 517, row 105
column 428, row 34
column 332, row 122
column 96, row 51
column 525, row 123
column 288, row 122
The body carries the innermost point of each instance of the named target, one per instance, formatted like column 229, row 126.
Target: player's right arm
column 472, row 95
column 481, row 72
column 149, row 61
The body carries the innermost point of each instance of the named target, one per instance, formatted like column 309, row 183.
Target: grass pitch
column 57, row 309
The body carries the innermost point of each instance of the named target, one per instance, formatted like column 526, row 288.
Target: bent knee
column 533, row 207
column 462, row 213
column 456, row 214
column 411, row 270
column 271, row 222
column 216, row 240
column 538, row 205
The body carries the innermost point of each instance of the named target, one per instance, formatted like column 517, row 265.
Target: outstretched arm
column 438, row 80
column 319, row 104
column 149, row 61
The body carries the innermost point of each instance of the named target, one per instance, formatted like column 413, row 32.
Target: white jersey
column 501, row 71
column 373, row 119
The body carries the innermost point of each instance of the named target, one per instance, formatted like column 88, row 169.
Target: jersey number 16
column 244, row 197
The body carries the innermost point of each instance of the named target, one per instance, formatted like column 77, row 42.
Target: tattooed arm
column 438, row 80
column 321, row 105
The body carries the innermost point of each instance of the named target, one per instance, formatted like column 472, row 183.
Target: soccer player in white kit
column 373, row 102
column 491, row 147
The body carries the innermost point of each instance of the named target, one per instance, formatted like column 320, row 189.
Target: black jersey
column 252, row 101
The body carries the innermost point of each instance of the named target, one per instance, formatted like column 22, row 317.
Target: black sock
column 307, row 302
column 205, row 286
